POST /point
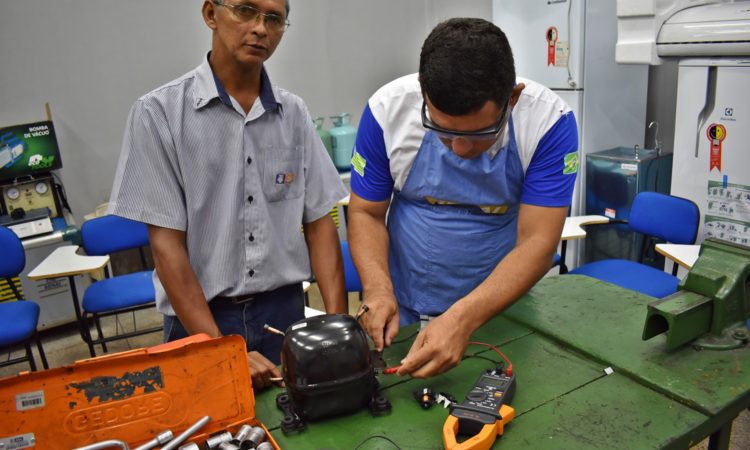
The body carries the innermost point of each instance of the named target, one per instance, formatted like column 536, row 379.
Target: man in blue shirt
column 462, row 176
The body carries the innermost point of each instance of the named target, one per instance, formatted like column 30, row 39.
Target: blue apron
column 451, row 224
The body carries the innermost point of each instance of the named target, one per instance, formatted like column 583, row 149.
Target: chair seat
column 17, row 321
column 122, row 291
column 631, row 275
column 556, row 260
column 351, row 277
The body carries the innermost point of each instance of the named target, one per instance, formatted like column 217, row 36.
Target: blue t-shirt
column 391, row 132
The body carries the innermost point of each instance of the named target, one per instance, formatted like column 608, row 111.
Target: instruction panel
column 728, row 214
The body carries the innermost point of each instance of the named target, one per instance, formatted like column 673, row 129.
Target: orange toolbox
column 132, row 397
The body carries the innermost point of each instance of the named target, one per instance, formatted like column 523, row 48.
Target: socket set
column 198, row 388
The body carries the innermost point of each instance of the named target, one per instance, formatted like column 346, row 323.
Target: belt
column 236, row 300
column 424, row 320
column 244, row 298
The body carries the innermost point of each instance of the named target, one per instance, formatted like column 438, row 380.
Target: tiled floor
column 64, row 346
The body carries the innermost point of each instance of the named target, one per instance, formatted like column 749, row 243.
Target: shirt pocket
column 281, row 172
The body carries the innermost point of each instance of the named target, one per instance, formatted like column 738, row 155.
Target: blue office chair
column 557, row 261
column 117, row 294
column 671, row 219
column 19, row 318
column 351, row 277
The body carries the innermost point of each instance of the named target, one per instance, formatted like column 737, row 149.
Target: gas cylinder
column 325, row 136
column 342, row 140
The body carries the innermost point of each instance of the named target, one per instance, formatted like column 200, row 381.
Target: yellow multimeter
column 483, row 414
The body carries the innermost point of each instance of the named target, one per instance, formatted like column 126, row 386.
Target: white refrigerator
column 712, row 145
column 569, row 46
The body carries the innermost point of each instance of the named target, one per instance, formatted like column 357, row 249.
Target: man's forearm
column 327, row 264
column 539, row 232
column 180, row 282
column 511, row 279
column 368, row 242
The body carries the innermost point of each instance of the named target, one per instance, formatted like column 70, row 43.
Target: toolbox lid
column 131, row 396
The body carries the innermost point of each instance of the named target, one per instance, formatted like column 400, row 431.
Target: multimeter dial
column 13, row 193
column 41, row 188
column 476, row 396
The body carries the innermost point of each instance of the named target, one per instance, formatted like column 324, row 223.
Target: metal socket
column 228, row 446
column 256, row 435
column 214, row 441
column 245, row 445
column 190, row 446
column 243, row 433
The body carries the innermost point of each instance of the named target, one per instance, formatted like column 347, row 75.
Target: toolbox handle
column 165, row 347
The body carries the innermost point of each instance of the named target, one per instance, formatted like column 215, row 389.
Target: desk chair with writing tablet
column 116, row 294
column 19, row 318
column 672, row 219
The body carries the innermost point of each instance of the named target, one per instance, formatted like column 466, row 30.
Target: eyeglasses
column 247, row 13
column 486, row 134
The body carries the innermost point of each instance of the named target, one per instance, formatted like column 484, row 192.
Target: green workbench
column 560, row 337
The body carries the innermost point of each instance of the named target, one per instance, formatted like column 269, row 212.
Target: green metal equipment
column 712, row 303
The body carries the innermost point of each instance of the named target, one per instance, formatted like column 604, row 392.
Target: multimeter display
column 493, row 382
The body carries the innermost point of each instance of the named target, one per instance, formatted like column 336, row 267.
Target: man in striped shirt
column 224, row 167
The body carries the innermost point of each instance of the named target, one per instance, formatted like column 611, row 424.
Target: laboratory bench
column 563, row 337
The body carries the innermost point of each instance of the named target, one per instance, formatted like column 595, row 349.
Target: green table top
column 605, row 322
column 560, row 337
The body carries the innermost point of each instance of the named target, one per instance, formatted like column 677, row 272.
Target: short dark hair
column 464, row 63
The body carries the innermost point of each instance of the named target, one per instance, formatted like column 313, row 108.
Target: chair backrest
column 13, row 258
column 670, row 218
column 109, row 234
column 351, row 277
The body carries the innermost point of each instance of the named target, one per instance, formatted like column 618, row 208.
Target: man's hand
column 437, row 348
column 262, row 370
column 381, row 319
column 368, row 242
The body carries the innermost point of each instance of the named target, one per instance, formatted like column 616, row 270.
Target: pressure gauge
column 41, row 188
column 13, row 193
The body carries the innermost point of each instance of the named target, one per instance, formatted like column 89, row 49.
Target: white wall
column 337, row 52
column 90, row 59
column 662, row 102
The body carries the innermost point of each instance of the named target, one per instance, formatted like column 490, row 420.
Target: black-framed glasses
column 485, row 134
column 247, row 13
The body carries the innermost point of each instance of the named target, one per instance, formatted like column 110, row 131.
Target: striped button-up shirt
column 239, row 185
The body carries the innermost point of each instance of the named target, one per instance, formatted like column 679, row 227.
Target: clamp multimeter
column 483, row 414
